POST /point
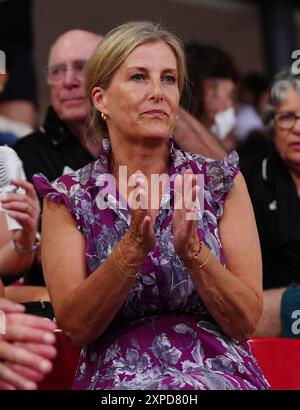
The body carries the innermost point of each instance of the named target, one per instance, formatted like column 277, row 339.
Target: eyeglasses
column 286, row 120
column 56, row 73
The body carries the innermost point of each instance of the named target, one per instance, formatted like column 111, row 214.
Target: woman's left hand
column 24, row 208
column 186, row 239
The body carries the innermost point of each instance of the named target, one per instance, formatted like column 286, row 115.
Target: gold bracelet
column 201, row 264
column 205, row 262
column 136, row 275
column 119, row 267
column 194, row 256
column 130, row 265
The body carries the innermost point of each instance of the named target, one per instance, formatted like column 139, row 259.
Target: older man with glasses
column 59, row 146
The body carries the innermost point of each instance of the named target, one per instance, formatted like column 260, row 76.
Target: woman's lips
column 156, row 113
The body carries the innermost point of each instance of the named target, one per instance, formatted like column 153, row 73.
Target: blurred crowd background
column 259, row 35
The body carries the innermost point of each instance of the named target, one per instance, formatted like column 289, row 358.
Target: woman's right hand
column 141, row 233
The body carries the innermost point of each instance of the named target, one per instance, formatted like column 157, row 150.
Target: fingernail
column 29, row 386
column 44, row 366
column 19, row 307
column 48, row 338
column 3, row 196
column 49, row 320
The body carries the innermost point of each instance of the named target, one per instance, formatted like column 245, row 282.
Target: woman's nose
column 157, row 93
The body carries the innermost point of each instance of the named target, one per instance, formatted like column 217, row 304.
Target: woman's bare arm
column 232, row 294
column 85, row 304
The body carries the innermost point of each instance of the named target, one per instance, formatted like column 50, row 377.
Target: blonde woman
column 157, row 300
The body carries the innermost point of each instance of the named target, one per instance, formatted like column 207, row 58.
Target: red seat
column 64, row 365
column 279, row 359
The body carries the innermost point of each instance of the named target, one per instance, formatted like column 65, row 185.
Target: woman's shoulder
column 229, row 162
column 69, row 185
column 215, row 171
column 218, row 174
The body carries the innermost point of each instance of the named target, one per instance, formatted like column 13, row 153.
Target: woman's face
column 142, row 99
column 287, row 141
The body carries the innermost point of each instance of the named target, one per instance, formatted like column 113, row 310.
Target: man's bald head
column 82, row 41
column 69, row 52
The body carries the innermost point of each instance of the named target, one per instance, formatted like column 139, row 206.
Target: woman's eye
column 169, row 79
column 138, row 77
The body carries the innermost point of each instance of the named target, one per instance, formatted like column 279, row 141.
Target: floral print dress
column 163, row 337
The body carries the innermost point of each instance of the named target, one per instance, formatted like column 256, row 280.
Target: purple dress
column 163, row 337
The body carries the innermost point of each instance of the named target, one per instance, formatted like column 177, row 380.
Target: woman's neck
column 147, row 158
column 150, row 159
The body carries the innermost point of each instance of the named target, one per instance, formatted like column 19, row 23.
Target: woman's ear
column 99, row 100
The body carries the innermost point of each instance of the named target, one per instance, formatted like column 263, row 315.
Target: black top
column 277, row 210
column 51, row 149
column 16, row 42
column 16, row 22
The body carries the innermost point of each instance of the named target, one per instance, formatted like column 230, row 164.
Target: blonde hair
column 112, row 51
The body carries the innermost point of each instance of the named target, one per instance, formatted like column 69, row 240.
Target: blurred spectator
column 273, row 181
column 10, row 130
column 26, row 347
column 25, row 209
column 20, row 247
column 18, row 99
column 250, row 130
column 211, row 93
column 253, row 97
column 192, row 136
column 59, row 146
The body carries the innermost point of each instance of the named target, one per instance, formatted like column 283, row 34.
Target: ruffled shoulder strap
column 218, row 176
column 59, row 191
